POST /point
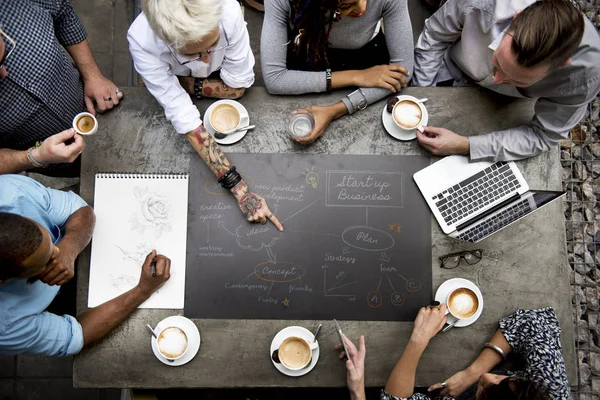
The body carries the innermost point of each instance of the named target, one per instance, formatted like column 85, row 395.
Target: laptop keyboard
column 476, row 192
column 496, row 222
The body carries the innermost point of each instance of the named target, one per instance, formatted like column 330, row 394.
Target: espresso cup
column 408, row 113
column 85, row 124
column 295, row 353
column 225, row 118
column 462, row 303
column 172, row 343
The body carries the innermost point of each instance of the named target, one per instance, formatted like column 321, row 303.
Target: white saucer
column 244, row 121
column 444, row 290
column 190, row 330
column 393, row 129
column 299, row 332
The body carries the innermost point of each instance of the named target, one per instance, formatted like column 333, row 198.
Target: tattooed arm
column 211, row 88
column 254, row 207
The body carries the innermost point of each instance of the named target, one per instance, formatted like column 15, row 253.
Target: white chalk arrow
column 384, row 257
column 222, row 225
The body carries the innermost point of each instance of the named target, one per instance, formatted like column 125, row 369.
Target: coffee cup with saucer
column 297, row 332
column 452, row 287
column 394, row 128
column 229, row 138
column 193, row 338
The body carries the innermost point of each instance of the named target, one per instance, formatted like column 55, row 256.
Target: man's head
column 190, row 27
column 25, row 247
column 540, row 39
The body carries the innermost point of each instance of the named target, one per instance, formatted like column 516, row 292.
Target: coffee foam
column 463, row 303
column 172, row 342
column 85, row 124
column 407, row 114
column 224, row 117
column 294, row 352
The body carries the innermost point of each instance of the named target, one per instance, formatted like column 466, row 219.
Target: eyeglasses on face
column 200, row 55
column 9, row 44
column 471, row 257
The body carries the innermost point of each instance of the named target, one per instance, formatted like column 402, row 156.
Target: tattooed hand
column 254, row 207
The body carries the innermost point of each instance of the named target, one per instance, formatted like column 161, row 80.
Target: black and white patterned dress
column 43, row 91
column 535, row 336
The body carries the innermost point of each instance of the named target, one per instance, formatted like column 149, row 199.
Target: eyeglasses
column 200, row 55
column 471, row 257
column 10, row 47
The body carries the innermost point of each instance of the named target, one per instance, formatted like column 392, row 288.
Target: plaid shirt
column 43, row 91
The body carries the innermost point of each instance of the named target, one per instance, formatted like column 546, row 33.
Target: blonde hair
column 180, row 21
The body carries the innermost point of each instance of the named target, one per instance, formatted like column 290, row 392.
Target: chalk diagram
column 343, row 188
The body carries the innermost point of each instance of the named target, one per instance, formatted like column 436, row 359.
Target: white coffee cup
column 85, row 124
column 408, row 114
column 225, row 118
column 172, row 342
column 296, row 353
column 462, row 303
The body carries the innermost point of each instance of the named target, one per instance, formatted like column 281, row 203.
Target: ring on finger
column 109, row 98
column 443, row 384
column 118, row 91
column 270, row 216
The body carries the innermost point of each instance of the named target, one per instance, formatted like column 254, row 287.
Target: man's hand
column 323, row 116
column 148, row 283
column 456, row 384
column 97, row 89
column 390, row 77
column 355, row 367
column 61, row 268
column 64, row 147
column 442, row 142
column 254, row 207
column 428, row 323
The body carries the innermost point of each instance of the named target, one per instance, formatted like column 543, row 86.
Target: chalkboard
column 356, row 245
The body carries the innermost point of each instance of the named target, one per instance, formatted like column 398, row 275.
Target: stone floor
column 107, row 21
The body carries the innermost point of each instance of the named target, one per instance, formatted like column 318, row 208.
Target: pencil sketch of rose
column 154, row 212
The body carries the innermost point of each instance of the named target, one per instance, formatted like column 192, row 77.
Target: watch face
column 362, row 105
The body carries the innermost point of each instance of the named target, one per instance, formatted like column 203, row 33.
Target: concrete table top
column 524, row 266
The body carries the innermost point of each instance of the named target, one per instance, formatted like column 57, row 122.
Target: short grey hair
column 180, row 21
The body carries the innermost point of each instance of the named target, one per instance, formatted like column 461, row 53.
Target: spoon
column 220, row 135
column 151, row 331
column 317, row 332
column 422, row 100
column 450, row 326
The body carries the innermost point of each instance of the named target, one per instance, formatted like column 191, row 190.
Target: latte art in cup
column 463, row 303
column 407, row 114
column 225, row 118
column 172, row 342
column 295, row 353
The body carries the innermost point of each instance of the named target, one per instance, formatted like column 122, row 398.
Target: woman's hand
column 456, row 384
column 391, row 77
column 428, row 323
column 323, row 116
column 355, row 367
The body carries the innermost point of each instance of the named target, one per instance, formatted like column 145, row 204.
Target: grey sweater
column 348, row 33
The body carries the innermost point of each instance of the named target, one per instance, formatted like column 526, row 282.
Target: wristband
column 198, row 83
column 328, row 78
column 358, row 99
column 32, row 160
column 230, row 179
column 496, row 349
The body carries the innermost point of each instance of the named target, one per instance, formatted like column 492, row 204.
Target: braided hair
column 312, row 21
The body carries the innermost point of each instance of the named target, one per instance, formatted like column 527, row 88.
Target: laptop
column 473, row 200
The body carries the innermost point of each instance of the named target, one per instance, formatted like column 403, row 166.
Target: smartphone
column 341, row 336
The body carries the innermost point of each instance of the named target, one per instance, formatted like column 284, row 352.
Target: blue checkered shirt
column 43, row 90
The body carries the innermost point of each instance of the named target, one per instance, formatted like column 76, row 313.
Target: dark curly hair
column 313, row 19
column 19, row 238
column 514, row 389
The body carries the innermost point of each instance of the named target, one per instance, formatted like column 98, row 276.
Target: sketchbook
column 136, row 213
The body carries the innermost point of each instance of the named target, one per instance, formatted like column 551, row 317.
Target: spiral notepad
column 136, row 213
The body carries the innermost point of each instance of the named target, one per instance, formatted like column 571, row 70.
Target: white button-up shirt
column 155, row 62
column 458, row 42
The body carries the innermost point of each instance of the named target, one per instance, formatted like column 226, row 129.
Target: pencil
column 153, row 264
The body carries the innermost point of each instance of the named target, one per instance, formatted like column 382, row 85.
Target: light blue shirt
column 24, row 325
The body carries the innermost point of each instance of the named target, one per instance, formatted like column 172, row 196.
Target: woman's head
column 312, row 21
column 184, row 24
column 502, row 387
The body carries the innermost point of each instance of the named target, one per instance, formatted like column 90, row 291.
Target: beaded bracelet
column 32, row 160
column 496, row 349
